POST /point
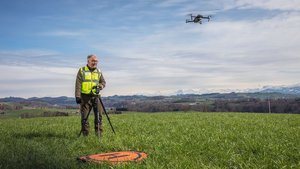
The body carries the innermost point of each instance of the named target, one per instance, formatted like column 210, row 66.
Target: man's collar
column 91, row 69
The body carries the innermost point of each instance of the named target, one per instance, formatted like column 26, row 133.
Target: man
column 89, row 82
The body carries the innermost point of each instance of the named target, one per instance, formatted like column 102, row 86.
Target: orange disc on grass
column 115, row 157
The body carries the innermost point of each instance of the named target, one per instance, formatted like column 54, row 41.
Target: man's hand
column 100, row 86
column 78, row 100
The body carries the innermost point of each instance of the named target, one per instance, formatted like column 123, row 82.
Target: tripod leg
column 106, row 115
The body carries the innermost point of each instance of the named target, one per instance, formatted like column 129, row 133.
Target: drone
column 198, row 18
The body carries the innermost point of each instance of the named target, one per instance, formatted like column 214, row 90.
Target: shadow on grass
column 38, row 150
column 46, row 135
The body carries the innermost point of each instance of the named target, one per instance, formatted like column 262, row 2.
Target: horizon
column 145, row 47
column 181, row 92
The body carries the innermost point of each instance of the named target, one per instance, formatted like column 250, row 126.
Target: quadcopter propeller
column 209, row 16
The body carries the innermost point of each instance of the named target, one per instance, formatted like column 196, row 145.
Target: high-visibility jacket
column 90, row 80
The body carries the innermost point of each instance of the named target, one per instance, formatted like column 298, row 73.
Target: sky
column 145, row 46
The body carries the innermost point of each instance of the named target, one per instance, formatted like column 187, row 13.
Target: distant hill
column 45, row 101
column 212, row 102
column 291, row 90
column 267, row 92
column 294, row 90
column 116, row 101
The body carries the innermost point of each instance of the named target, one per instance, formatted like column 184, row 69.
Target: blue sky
column 145, row 46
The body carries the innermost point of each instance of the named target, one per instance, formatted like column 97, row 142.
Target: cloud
column 270, row 4
column 37, row 57
column 28, row 81
column 64, row 33
column 221, row 6
column 146, row 47
column 220, row 54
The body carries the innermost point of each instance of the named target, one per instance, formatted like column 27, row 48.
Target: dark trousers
column 89, row 102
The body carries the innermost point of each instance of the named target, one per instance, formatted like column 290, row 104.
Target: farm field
column 35, row 112
column 171, row 140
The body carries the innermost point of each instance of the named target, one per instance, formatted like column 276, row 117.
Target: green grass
column 171, row 140
column 34, row 112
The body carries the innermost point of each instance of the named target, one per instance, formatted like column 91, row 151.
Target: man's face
column 92, row 62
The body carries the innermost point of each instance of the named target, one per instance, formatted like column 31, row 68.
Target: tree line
column 240, row 105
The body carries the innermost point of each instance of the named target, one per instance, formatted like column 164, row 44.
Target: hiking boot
column 85, row 133
column 98, row 132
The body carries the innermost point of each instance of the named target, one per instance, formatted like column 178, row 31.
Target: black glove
column 78, row 100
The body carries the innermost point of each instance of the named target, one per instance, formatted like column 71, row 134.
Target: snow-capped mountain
column 293, row 89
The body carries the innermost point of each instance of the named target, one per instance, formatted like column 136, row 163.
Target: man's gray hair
column 91, row 55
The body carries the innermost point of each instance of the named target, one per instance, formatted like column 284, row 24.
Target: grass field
column 35, row 112
column 171, row 140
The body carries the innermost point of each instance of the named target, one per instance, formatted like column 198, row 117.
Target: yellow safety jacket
column 90, row 80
